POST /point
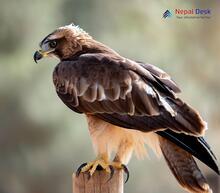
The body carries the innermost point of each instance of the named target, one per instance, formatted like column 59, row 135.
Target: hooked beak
column 38, row 55
column 41, row 54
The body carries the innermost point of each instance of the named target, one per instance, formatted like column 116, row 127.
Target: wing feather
column 103, row 84
column 161, row 77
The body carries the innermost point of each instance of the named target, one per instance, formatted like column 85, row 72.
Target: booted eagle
column 127, row 104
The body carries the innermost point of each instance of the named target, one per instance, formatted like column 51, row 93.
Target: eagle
column 128, row 104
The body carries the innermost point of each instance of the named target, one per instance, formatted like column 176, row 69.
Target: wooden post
column 99, row 183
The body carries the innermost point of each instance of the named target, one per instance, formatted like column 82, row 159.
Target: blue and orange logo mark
column 167, row 14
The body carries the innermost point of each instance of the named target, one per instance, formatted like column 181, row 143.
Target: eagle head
column 63, row 43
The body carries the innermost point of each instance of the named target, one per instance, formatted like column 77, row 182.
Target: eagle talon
column 126, row 171
column 112, row 171
column 78, row 171
column 98, row 164
column 102, row 164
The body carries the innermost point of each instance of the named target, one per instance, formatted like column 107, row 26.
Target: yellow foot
column 92, row 166
column 103, row 164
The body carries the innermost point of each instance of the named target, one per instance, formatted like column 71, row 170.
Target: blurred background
column 41, row 141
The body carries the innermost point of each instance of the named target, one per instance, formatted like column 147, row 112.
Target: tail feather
column 184, row 167
column 197, row 146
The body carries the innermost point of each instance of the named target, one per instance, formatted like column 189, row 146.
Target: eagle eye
column 53, row 44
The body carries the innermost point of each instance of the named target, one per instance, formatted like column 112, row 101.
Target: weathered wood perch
column 99, row 183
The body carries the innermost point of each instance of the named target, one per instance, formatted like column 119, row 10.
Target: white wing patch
column 150, row 91
column 167, row 106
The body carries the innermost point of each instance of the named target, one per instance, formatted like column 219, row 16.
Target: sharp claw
column 99, row 167
column 80, row 168
column 112, row 171
column 126, row 172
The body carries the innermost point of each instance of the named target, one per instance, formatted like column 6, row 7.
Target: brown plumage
column 129, row 102
column 184, row 167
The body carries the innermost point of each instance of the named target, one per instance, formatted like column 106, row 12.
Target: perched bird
column 127, row 104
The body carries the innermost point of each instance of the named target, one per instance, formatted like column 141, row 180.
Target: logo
column 167, row 14
column 188, row 13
